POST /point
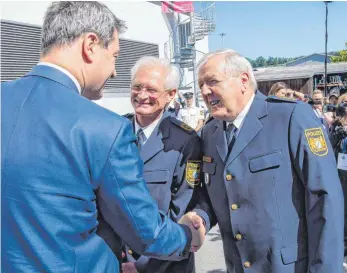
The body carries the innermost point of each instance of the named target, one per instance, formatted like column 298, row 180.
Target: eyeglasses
column 150, row 91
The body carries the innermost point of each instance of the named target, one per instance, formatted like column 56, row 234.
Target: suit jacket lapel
column 250, row 128
column 220, row 140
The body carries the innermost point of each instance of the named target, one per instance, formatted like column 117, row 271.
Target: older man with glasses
column 169, row 149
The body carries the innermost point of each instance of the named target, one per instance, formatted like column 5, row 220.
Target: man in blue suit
column 271, row 176
column 66, row 160
column 169, row 149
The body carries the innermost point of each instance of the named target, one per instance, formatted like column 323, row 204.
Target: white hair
column 234, row 63
column 172, row 79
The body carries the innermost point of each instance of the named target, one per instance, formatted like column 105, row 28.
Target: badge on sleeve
column 316, row 141
column 193, row 172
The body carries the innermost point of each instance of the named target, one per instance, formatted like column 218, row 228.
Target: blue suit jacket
column 64, row 158
column 277, row 197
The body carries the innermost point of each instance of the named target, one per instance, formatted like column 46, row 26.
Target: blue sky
column 278, row 29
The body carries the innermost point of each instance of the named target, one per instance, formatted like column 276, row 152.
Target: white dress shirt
column 238, row 121
column 148, row 130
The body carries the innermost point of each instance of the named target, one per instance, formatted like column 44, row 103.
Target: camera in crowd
column 329, row 108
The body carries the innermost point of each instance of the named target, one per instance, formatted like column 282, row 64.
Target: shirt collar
column 238, row 121
column 148, row 130
column 67, row 73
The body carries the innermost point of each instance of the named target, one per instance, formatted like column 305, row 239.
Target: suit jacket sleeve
column 316, row 168
column 127, row 206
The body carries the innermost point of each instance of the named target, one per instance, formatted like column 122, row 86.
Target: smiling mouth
column 143, row 103
column 214, row 102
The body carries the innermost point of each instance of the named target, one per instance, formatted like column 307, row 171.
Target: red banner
column 177, row 6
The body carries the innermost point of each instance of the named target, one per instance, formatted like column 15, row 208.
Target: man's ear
column 244, row 81
column 90, row 46
column 172, row 94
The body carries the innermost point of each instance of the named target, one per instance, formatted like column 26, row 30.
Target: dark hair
column 66, row 21
column 341, row 110
column 276, row 87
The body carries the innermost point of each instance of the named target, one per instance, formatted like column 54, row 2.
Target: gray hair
column 66, row 21
column 172, row 79
column 234, row 63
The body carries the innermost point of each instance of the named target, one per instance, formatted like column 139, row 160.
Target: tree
column 341, row 56
column 261, row 61
column 270, row 61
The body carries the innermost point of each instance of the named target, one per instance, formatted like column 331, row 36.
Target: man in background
column 191, row 115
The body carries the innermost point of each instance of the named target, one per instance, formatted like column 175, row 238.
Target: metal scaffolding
column 185, row 30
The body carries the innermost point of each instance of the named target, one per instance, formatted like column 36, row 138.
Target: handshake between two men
column 197, row 227
column 198, row 230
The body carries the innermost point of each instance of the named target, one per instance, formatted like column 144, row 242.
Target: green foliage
column 271, row 61
column 341, row 56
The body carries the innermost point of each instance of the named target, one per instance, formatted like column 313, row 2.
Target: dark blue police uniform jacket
column 166, row 154
column 62, row 155
column 277, row 197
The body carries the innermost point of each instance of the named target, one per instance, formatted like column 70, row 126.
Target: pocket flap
column 263, row 162
column 209, row 167
column 292, row 254
column 156, row 176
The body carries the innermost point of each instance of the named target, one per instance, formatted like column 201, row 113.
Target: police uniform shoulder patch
column 316, row 141
column 182, row 125
column 193, row 172
column 278, row 99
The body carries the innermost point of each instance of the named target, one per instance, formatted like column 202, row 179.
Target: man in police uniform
column 169, row 149
column 191, row 115
column 270, row 174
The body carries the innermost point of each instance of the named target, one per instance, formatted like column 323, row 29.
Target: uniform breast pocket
column 157, row 183
column 265, row 162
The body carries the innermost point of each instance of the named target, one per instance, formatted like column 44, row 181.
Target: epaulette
column 209, row 119
column 278, row 99
column 182, row 125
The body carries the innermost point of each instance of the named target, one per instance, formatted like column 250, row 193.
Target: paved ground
column 209, row 258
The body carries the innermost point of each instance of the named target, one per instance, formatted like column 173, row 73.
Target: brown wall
column 302, row 85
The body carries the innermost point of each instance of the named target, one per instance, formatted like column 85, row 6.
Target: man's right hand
column 196, row 225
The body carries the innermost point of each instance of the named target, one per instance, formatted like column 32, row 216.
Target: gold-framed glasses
column 150, row 91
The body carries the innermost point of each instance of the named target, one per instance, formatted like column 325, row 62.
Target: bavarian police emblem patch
column 316, row 141
column 193, row 173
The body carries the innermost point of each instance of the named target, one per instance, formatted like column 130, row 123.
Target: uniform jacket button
column 229, row 177
column 130, row 252
column 238, row 237
column 234, row 206
column 247, row 264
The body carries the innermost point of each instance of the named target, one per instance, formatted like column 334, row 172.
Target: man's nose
column 205, row 90
column 114, row 74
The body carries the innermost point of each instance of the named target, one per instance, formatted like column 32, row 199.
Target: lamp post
column 222, row 35
column 326, row 47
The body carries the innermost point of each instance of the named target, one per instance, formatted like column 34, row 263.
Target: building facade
column 147, row 35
